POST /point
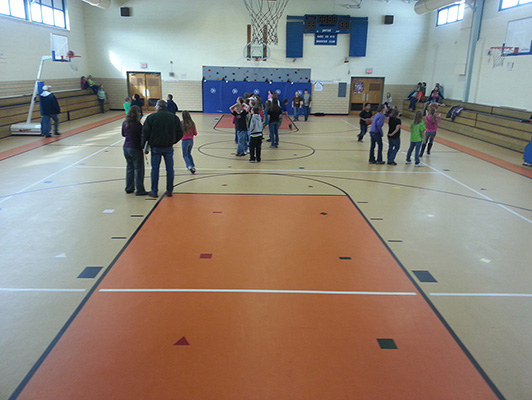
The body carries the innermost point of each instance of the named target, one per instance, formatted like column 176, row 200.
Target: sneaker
column 151, row 194
column 428, row 153
column 252, row 161
column 129, row 191
column 408, row 162
column 169, row 194
column 380, row 162
column 269, row 140
column 373, row 162
column 57, row 133
column 392, row 163
column 419, row 165
column 141, row 193
column 47, row 136
column 193, row 170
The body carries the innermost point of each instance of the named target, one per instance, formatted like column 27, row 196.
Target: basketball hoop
column 71, row 59
column 498, row 54
column 265, row 15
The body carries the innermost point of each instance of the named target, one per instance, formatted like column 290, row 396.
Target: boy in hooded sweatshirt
column 255, row 133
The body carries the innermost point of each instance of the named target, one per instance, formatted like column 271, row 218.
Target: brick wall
column 399, row 93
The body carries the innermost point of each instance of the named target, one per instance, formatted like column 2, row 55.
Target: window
column 513, row 3
column 47, row 12
column 453, row 13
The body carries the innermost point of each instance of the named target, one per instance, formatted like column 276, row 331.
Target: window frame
column 58, row 12
column 460, row 8
column 519, row 4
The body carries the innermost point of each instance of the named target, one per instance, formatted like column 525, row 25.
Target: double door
column 365, row 90
column 147, row 85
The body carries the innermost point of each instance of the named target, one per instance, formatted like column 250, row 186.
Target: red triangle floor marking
column 182, row 342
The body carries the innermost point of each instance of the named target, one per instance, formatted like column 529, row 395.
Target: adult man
column 296, row 104
column 161, row 131
column 307, row 103
column 49, row 110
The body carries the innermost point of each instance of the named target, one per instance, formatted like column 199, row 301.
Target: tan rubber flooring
column 312, row 275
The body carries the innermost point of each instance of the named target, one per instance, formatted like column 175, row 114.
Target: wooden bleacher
column 496, row 125
column 74, row 104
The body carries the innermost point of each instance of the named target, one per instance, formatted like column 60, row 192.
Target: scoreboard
column 327, row 24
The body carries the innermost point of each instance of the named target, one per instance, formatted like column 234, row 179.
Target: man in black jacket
column 49, row 110
column 161, row 131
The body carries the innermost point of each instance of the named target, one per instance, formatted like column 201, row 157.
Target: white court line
column 40, row 290
column 256, row 291
column 61, row 170
column 281, row 170
column 479, row 193
column 481, row 294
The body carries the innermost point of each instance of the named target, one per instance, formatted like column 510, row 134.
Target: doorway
column 147, row 85
column 365, row 90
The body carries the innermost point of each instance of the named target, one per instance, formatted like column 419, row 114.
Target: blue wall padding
column 218, row 96
column 294, row 39
column 359, row 37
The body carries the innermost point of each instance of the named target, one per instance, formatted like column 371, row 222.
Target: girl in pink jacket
column 431, row 122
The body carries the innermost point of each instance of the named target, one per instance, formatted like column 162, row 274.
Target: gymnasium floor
column 312, row 275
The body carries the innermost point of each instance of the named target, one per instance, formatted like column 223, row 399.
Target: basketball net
column 498, row 54
column 265, row 15
column 73, row 60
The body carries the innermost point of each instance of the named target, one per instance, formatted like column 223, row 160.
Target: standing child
column 431, row 121
column 365, row 118
column 274, row 114
column 189, row 131
column 127, row 103
column 133, row 153
column 240, row 111
column 255, row 131
column 394, row 136
column 171, row 105
column 101, row 98
column 417, row 129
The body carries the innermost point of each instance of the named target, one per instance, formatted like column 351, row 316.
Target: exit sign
column 369, row 71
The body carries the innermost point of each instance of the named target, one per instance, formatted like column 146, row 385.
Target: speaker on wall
column 125, row 12
column 388, row 19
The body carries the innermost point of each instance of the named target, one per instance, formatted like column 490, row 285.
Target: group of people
column 99, row 91
column 422, row 133
column 159, row 133
column 419, row 95
column 251, row 116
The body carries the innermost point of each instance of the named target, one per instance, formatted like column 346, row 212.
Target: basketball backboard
column 519, row 35
column 59, row 47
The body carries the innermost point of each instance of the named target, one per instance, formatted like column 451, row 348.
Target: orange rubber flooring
column 212, row 299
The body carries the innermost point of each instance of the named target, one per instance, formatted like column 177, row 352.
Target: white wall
column 447, row 53
column 205, row 32
column 23, row 44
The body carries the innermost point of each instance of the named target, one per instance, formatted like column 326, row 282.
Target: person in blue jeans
column 375, row 131
column 161, row 131
column 274, row 113
column 189, row 131
column 307, row 104
column 240, row 111
column 49, row 109
column 132, row 131
column 394, row 136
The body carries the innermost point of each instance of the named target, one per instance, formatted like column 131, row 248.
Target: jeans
column 363, row 130
column 376, row 139
column 102, row 105
column 274, row 133
column 168, row 154
column 46, row 124
column 186, row 146
column 242, row 142
column 255, row 144
column 296, row 113
column 417, row 147
column 393, row 148
column 306, row 111
column 134, row 170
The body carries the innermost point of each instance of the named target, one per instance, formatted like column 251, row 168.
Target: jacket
column 162, row 129
column 48, row 104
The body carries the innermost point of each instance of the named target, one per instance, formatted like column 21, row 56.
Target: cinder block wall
column 188, row 95
column 399, row 93
column 328, row 102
